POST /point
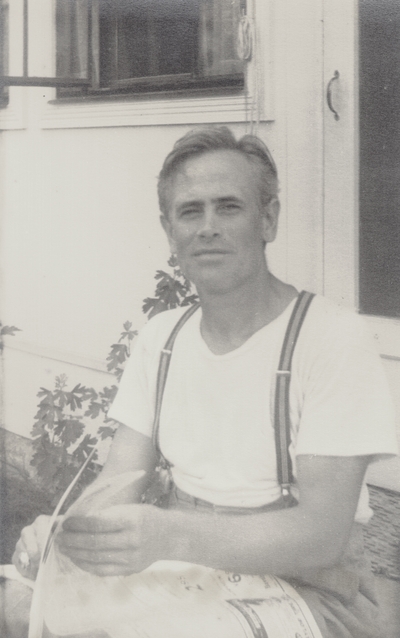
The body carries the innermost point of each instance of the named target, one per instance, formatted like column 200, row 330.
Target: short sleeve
column 132, row 405
column 346, row 407
column 135, row 400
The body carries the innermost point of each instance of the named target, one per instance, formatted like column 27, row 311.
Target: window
column 380, row 158
column 3, row 50
column 145, row 46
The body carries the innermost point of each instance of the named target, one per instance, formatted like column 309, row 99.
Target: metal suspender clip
column 285, row 489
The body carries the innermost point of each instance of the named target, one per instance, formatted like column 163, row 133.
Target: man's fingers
column 112, row 519
column 96, row 542
column 29, row 542
column 95, row 557
column 92, row 524
column 25, row 562
column 106, row 569
column 109, row 543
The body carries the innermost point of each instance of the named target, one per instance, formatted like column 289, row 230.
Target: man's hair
column 218, row 138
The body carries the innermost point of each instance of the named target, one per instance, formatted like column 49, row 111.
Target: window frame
column 182, row 108
column 148, row 87
column 4, row 31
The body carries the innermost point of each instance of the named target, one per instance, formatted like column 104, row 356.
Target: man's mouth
column 210, row 251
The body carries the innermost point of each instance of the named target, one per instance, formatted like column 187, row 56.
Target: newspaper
column 176, row 600
column 170, row 599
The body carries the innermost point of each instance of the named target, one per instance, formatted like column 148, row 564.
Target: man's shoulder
column 326, row 310
column 159, row 327
column 331, row 326
column 329, row 320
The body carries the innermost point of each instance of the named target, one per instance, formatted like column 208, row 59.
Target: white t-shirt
column 216, row 427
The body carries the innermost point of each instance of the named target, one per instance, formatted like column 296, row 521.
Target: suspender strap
column 282, row 407
column 163, row 367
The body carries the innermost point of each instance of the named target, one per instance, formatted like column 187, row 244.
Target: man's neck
column 228, row 320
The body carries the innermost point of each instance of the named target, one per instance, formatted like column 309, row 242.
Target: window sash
column 72, row 34
column 3, row 50
column 81, row 44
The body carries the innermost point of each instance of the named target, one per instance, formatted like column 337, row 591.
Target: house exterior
column 80, row 235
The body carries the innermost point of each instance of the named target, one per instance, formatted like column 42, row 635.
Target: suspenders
column 282, row 408
column 163, row 367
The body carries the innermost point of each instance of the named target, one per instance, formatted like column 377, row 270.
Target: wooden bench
column 382, row 543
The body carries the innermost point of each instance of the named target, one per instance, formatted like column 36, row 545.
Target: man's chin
column 214, row 285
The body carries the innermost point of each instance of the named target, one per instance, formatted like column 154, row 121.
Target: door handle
column 336, row 76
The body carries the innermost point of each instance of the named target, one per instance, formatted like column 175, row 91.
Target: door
column 362, row 176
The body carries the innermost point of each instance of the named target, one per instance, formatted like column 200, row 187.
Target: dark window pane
column 130, row 46
column 380, row 157
column 3, row 50
column 72, row 32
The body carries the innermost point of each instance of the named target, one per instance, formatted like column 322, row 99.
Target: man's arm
column 287, row 543
column 129, row 451
column 284, row 542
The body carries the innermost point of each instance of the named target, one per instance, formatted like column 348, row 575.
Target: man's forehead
column 214, row 175
column 214, row 160
column 220, row 168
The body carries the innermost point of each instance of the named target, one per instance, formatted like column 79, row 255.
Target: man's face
column 216, row 224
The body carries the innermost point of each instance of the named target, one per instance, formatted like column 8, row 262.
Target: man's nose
column 209, row 227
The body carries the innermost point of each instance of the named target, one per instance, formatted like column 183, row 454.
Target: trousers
column 341, row 598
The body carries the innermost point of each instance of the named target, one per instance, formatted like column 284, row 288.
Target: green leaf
column 118, row 372
column 172, row 261
column 66, row 472
column 94, row 410
column 84, row 448
column 84, row 392
column 130, row 335
column 106, row 431
column 47, row 415
column 108, row 395
column 69, row 431
column 38, row 429
column 61, row 381
column 45, row 393
column 79, row 395
column 117, row 356
column 9, row 330
column 153, row 307
column 191, row 299
column 61, row 397
column 41, row 442
column 47, row 461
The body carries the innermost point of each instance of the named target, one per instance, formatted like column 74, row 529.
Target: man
column 218, row 199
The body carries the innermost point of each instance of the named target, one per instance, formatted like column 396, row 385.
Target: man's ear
column 166, row 224
column 270, row 219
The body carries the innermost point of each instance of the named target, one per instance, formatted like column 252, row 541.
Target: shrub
column 61, row 443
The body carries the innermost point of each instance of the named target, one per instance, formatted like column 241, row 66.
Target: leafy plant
column 171, row 291
column 60, row 441
column 6, row 330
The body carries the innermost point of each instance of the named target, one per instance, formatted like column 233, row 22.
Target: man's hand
column 28, row 550
column 120, row 540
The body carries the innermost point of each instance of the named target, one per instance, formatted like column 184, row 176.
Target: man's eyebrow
column 227, row 199
column 190, row 202
column 216, row 200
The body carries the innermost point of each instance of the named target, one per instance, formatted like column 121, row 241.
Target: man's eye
column 189, row 212
column 229, row 207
